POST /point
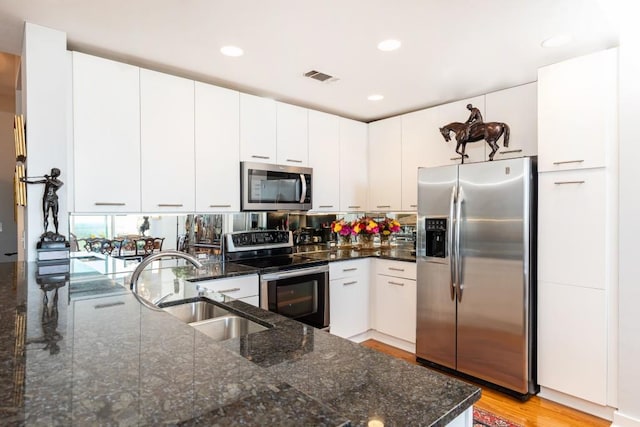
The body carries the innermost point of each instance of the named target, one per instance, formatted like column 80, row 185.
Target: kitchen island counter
column 103, row 359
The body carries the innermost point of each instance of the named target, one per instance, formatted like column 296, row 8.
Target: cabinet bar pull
column 111, row 304
column 396, row 269
column 109, row 204
column 260, row 157
column 294, row 161
column 396, row 283
column 568, row 161
column 228, row 291
column 568, row 182
column 170, row 205
column 349, row 269
column 350, row 283
column 325, row 206
column 455, row 158
column 383, row 206
column 219, row 206
column 510, row 151
column 413, row 206
column 354, row 207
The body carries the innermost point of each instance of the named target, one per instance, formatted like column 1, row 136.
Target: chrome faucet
column 133, row 284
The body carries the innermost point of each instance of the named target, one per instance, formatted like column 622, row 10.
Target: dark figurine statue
column 49, row 202
column 475, row 129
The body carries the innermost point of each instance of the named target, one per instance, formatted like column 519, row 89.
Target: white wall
column 628, row 413
column 45, row 80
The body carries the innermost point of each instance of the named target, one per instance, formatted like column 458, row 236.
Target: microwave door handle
column 304, row 188
column 450, row 246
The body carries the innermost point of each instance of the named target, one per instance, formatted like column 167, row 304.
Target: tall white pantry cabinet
column 577, row 228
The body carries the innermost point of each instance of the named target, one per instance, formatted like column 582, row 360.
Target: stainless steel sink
column 213, row 320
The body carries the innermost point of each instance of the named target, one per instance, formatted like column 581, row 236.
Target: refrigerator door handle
column 459, row 200
column 450, row 245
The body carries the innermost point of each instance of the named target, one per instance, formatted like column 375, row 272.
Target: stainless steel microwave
column 269, row 187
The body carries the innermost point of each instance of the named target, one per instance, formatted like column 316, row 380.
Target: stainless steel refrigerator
column 476, row 262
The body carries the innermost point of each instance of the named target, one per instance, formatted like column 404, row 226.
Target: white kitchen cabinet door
column 292, row 135
column 518, row 108
column 257, row 129
column 395, row 307
column 577, row 112
column 385, row 164
column 245, row 288
column 573, row 227
column 106, row 135
column 324, row 150
column 387, row 267
column 217, row 149
column 349, row 298
column 444, row 153
column 572, row 340
column 167, row 142
column 416, row 149
column 353, row 166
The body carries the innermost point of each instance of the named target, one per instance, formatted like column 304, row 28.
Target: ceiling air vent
column 321, row 77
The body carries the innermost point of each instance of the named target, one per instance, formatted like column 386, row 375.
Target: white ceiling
column 451, row 49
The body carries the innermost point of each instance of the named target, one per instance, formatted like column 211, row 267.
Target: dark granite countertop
column 100, row 358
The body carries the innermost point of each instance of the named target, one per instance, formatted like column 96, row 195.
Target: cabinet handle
column 455, row 158
column 354, row 207
column 325, row 206
column 109, row 204
column 111, row 304
column 170, row 205
column 396, row 269
column 383, row 206
column 350, row 283
column 349, row 269
column 228, row 291
column 568, row 161
column 568, row 182
column 219, row 206
column 396, row 283
column 260, row 157
column 510, row 151
column 293, row 160
column 413, row 206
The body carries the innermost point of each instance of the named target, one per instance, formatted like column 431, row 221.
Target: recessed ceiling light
column 231, row 51
column 557, row 40
column 389, row 45
column 375, row 97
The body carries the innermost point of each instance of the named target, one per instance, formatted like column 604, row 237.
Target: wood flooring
column 536, row 412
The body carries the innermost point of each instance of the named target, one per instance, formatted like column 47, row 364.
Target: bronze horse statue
column 490, row 132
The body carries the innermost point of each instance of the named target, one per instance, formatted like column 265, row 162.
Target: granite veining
column 100, row 358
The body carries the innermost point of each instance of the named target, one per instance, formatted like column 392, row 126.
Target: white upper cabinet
column 257, row 129
column 106, row 131
column 416, row 149
column 444, row 153
column 518, row 108
column 353, row 165
column 292, row 135
column 217, row 148
column 577, row 112
column 324, row 151
column 385, row 164
column 167, row 142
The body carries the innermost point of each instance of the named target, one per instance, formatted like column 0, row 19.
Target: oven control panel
column 258, row 239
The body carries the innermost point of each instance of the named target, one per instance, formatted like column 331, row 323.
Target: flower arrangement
column 341, row 227
column 388, row 226
column 365, row 225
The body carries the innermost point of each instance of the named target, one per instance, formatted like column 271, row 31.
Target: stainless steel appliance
column 268, row 187
column 292, row 285
column 476, row 262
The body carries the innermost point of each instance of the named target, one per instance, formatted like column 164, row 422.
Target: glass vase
column 385, row 240
column 365, row 241
column 344, row 241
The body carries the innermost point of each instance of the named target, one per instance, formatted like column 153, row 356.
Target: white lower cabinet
column 572, row 340
column 395, row 307
column 349, row 297
column 243, row 288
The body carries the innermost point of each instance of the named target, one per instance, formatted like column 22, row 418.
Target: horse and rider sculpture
column 475, row 129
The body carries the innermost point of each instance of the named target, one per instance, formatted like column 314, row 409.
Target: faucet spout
column 133, row 284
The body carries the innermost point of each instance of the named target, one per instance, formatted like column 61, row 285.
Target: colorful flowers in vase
column 343, row 230
column 365, row 225
column 388, row 226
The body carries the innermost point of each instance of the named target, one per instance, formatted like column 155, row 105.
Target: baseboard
column 621, row 420
column 362, row 337
column 605, row 412
column 392, row 341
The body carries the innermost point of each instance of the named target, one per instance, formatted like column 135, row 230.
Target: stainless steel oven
column 300, row 293
column 268, row 187
column 294, row 286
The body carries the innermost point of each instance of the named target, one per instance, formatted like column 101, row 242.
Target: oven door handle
column 294, row 273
